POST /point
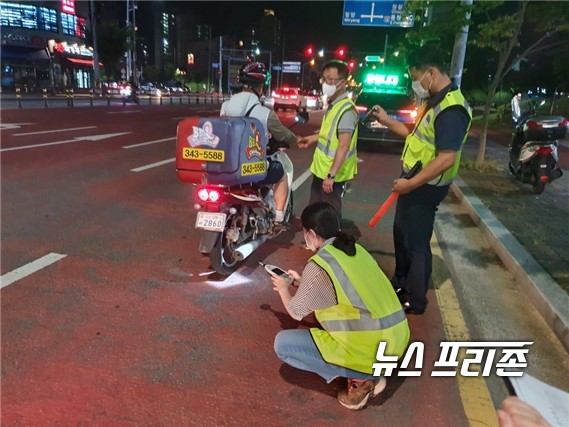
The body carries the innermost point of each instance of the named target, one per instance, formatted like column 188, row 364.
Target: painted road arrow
column 76, row 139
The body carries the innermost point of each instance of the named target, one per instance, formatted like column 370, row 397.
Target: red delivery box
column 221, row 150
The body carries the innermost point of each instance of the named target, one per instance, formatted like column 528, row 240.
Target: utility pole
column 459, row 50
column 220, row 70
column 128, row 61
column 96, row 69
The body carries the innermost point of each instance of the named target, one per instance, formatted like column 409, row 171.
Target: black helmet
column 253, row 74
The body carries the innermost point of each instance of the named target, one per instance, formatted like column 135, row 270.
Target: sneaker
column 358, row 392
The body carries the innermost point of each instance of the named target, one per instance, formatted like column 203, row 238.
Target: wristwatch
column 330, row 176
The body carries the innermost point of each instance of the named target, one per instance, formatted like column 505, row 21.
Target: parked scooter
column 235, row 215
column 533, row 148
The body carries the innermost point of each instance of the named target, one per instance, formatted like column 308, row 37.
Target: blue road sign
column 376, row 13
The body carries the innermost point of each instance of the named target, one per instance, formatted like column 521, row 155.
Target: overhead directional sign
column 291, row 67
column 376, row 13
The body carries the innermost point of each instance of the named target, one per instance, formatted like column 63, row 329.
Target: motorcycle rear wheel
column 221, row 257
column 538, row 187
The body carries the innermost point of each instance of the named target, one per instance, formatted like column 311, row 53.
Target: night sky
column 303, row 22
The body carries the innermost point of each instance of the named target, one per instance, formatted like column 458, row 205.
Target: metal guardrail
column 70, row 99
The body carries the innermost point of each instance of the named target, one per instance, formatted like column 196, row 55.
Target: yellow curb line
column 476, row 400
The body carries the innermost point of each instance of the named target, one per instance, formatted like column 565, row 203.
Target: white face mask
column 419, row 90
column 309, row 246
column 328, row 90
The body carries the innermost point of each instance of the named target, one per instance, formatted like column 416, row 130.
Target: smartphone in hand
column 273, row 269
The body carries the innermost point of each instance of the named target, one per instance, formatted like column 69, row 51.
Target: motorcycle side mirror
column 302, row 117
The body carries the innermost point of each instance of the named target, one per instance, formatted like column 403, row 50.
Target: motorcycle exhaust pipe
column 247, row 249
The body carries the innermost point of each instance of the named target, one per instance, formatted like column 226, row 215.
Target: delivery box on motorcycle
column 545, row 128
column 221, row 150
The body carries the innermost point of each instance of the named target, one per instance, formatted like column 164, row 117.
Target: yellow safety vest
column 367, row 312
column 328, row 144
column 420, row 144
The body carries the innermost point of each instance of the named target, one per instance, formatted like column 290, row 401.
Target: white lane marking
column 124, row 112
column 4, row 126
column 149, row 142
column 76, row 139
column 300, row 180
column 29, row 268
column 54, row 131
column 153, row 165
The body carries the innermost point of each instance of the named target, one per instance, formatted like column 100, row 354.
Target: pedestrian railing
column 71, row 99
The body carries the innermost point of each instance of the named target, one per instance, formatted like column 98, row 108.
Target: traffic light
column 352, row 65
column 341, row 52
column 309, row 51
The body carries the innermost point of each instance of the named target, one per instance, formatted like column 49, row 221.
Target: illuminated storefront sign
column 73, row 49
column 68, row 6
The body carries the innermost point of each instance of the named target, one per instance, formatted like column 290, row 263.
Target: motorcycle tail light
column 203, row 194
column 410, row 112
column 361, row 108
column 544, row 151
column 214, row 196
column 534, row 125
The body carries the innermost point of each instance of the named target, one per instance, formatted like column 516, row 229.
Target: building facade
column 43, row 45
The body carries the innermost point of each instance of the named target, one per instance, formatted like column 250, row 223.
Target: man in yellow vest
column 436, row 141
column 335, row 159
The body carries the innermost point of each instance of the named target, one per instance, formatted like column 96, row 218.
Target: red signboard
column 68, row 6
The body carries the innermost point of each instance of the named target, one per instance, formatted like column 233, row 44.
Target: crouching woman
column 354, row 302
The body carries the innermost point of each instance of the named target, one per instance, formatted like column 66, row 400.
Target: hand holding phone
column 274, row 270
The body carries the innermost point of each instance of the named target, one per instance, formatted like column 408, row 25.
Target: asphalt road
column 120, row 321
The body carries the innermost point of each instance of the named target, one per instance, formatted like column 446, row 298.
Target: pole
column 270, row 71
column 220, row 62
column 128, row 65
column 133, row 46
column 96, row 70
column 459, row 49
column 209, row 71
column 385, row 49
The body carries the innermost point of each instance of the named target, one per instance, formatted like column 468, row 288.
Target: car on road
column 398, row 105
column 288, row 98
column 311, row 100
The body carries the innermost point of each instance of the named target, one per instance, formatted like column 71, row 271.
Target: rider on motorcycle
column 253, row 77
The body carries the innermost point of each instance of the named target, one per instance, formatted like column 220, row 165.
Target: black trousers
column 412, row 231
column 317, row 194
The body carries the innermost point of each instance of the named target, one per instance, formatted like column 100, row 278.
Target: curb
column 549, row 299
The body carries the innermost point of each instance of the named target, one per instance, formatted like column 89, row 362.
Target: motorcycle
column 235, row 217
column 129, row 93
column 532, row 151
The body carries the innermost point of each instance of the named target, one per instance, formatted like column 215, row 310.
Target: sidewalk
column 527, row 231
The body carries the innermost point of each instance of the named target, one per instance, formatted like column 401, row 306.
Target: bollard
column 160, row 97
column 44, row 94
column 197, row 99
column 72, row 98
column 180, row 99
column 171, row 99
column 108, row 100
column 19, row 97
column 149, row 99
column 91, row 94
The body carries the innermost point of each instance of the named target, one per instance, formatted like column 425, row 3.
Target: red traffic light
column 309, row 51
column 352, row 65
column 341, row 52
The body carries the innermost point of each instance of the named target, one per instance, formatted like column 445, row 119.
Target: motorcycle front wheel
column 221, row 257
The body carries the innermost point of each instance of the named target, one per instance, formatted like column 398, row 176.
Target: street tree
column 498, row 27
column 111, row 43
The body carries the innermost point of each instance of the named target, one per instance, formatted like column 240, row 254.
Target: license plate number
column 202, row 154
column 255, row 168
column 377, row 125
column 210, row 221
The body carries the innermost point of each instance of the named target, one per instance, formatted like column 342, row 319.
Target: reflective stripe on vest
column 366, row 322
column 328, row 144
column 420, row 144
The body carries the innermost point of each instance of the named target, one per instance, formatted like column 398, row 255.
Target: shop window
column 72, row 25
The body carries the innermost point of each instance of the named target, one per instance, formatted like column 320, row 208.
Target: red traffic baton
column 393, row 196
column 384, row 208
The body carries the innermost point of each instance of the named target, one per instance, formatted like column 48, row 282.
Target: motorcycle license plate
column 211, row 221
